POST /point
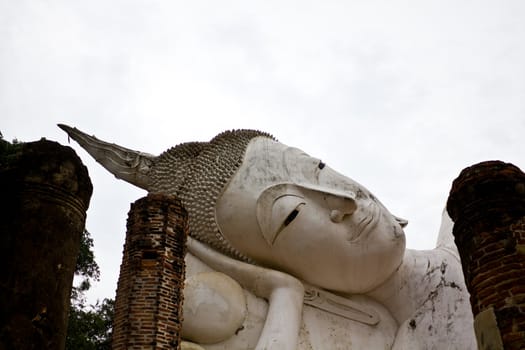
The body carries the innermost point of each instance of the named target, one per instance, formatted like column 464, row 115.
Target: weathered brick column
column 148, row 305
column 44, row 194
column 487, row 205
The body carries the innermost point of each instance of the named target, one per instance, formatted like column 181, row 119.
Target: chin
column 368, row 276
column 377, row 267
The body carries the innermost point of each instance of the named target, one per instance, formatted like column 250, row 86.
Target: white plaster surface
column 430, row 302
column 341, row 240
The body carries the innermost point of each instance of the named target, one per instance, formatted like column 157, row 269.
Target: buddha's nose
column 346, row 207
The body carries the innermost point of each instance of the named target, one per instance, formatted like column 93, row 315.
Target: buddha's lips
column 367, row 223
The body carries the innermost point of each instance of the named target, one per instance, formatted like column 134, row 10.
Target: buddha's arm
column 283, row 292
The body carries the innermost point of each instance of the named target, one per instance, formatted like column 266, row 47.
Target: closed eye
column 293, row 212
column 291, row 217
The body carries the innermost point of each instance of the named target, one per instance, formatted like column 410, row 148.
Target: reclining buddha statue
column 286, row 253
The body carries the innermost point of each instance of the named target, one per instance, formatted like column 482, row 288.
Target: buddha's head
column 291, row 212
column 260, row 201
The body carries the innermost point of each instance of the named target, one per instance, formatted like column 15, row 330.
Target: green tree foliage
column 89, row 326
column 86, row 268
column 8, row 151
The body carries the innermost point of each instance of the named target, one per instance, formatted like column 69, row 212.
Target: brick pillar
column 44, row 194
column 487, row 205
column 148, row 305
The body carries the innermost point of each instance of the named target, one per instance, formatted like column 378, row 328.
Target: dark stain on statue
column 443, row 268
column 412, row 324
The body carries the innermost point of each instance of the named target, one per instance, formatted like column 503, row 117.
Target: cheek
column 334, row 263
column 315, row 249
column 310, row 224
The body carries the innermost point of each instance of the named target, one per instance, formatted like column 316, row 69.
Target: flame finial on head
column 196, row 172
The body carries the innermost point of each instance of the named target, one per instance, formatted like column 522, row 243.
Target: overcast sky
column 398, row 95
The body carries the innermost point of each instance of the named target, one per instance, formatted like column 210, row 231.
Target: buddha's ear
column 402, row 222
column 277, row 206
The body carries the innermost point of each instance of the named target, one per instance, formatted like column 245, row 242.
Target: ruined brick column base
column 148, row 305
column 487, row 205
column 44, row 194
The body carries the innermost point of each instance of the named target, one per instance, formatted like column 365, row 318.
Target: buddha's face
column 289, row 211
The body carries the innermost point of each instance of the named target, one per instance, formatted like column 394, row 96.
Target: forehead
column 268, row 162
